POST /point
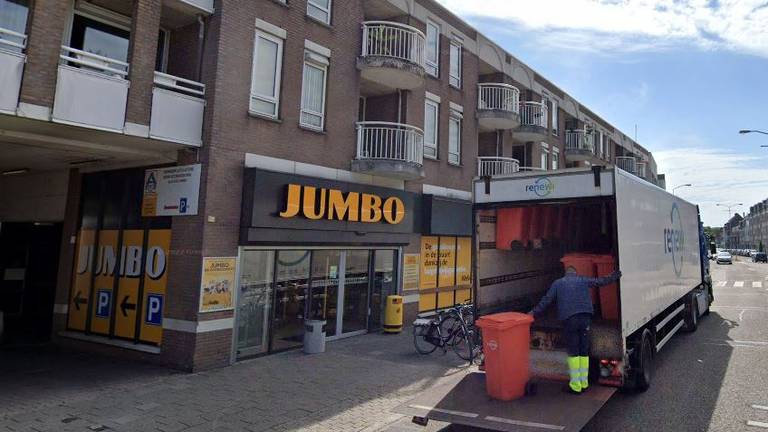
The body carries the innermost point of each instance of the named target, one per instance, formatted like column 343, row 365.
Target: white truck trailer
column 653, row 236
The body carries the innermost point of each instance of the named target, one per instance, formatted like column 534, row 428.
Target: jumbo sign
column 333, row 204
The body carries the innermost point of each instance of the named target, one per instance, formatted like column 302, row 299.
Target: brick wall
column 141, row 56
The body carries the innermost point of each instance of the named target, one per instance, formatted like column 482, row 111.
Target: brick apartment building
column 335, row 143
column 749, row 231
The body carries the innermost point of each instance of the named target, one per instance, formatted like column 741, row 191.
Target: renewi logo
column 542, row 187
column 674, row 240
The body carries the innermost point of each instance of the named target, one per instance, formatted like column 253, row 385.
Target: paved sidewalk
column 351, row 387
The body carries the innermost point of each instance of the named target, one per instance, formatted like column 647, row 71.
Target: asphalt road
column 715, row 379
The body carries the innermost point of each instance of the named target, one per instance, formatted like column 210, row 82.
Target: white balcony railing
column 12, row 61
column 533, row 114
column 491, row 166
column 91, row 90
column 391, row 39
column 502, row 97
column 178, row 106
column 640, row 169
column 579, row 140
column 627, row 163
column 390, row 141
column 12, row 41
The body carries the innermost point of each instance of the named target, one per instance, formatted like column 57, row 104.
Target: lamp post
column 682, row 185
column 749, row 131
column 729, row 207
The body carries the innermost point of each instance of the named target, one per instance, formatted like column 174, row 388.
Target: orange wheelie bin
column 506, row 346
column 609, row 294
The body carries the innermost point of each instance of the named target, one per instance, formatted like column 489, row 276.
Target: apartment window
column 13, row 17
column 544, row 157
column 454, row 137
column 555, row 158
column 319, row 10
column 265, row 77
column 313, row 90
column 553, row 111
column 101, row 32
column 431, row 120
column 600, row 144
column 455, row 73
column 433, row 49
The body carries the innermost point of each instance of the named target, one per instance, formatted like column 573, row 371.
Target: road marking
column 738, row 284
column 525, row 423
column 446, row 411
column 757, row 284
column 757, row 424
column 760, row 407
column 741, row 315
column 721, row 283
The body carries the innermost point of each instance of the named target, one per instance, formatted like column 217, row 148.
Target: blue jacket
column 572, row 295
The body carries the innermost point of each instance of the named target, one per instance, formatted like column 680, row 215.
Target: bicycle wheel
column 449, row 327
column 422, row 337
column 464, row 346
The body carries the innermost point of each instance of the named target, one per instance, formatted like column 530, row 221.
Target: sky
column 689, row 73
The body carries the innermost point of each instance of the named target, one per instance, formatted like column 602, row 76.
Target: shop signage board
column 171, row 191
column 139, row 271
column 411, row 271
column 217, row 284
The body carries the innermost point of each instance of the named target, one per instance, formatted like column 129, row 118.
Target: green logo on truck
column 674, row 240
column 542, row 187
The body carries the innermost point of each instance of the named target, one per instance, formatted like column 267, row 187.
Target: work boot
column 574, row 370
column 584, row 372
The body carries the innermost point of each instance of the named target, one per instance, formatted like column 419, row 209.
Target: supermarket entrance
column 279, row 289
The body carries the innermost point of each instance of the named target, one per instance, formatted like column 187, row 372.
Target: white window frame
column 312, row 3
column 555, row 158
column 554, row 117
column 436, row 104
column 456, row 117
column 455, row 79
column 317, row 61
column 433, row 65
column 544, row 158
column 275, row 98
column 601, row 143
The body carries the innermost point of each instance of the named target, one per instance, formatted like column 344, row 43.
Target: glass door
column 291, row 281
column 354, row 292
column 384, row 281
column 324, row 289
column 254, row 302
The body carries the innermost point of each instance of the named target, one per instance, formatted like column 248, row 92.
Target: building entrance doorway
column 29, row 260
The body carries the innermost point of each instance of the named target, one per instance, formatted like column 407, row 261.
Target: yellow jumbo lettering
column 292, row 201
column 394, row 210
column 340, row 208
column 310, row 208
column 371, row 211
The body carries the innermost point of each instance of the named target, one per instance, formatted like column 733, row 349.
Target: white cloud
column 717, row 176
column 631, row 25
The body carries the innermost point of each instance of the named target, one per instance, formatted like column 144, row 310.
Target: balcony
column 579, row 145
column 192, row 6
column 641, row 169
column 393, row 55
column 627, row 163
column 12, row 61
column 533, row 122
column 91, row 91
column 389, row 149
column 177, row 110
column 493, row 166
column 498, row 107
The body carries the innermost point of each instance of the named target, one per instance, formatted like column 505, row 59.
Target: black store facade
column 313, row 248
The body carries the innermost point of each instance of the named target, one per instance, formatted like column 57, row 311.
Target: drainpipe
column 200, row 46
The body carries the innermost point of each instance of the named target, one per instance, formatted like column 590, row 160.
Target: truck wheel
column 692, row 314
column 642, row 369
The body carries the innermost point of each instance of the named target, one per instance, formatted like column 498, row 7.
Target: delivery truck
column 528, row 228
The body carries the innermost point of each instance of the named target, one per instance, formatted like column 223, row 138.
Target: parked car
column 724, row 258
column 760, row 257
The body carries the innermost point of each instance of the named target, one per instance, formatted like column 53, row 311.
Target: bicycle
column 446, row 330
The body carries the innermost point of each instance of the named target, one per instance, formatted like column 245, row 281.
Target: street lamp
column 682, row 185
column 729, row 206
column 746, row 131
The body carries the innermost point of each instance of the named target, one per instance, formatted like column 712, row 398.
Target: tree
column 761, row 247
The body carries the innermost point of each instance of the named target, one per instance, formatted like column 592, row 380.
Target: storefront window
column 356, row 281
column 254, row 300
column 384, row 284
column 323, row 305
column 292, row 278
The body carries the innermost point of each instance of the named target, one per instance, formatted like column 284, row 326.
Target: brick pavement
column 351, row 387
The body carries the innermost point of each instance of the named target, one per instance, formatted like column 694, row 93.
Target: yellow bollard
column 393, row 314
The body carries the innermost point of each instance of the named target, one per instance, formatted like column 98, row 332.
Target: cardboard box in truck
column 527, row 226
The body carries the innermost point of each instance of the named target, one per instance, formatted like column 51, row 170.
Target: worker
column 574, row 309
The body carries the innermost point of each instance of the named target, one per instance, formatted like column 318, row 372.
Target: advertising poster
column 463, row 269
column 171, row 191
column 411, row 271
column 218, row 283
column 428, row 274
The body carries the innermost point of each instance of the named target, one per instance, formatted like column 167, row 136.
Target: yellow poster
column 411, row 271
column 81, row 281
column 464, row 261
column 128, row 285
column 428, row 273
column 103, row 282
column 447, row 261
column 218, row 284
column 155, row 282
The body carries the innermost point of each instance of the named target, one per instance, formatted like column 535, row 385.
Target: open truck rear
column 527, row 226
